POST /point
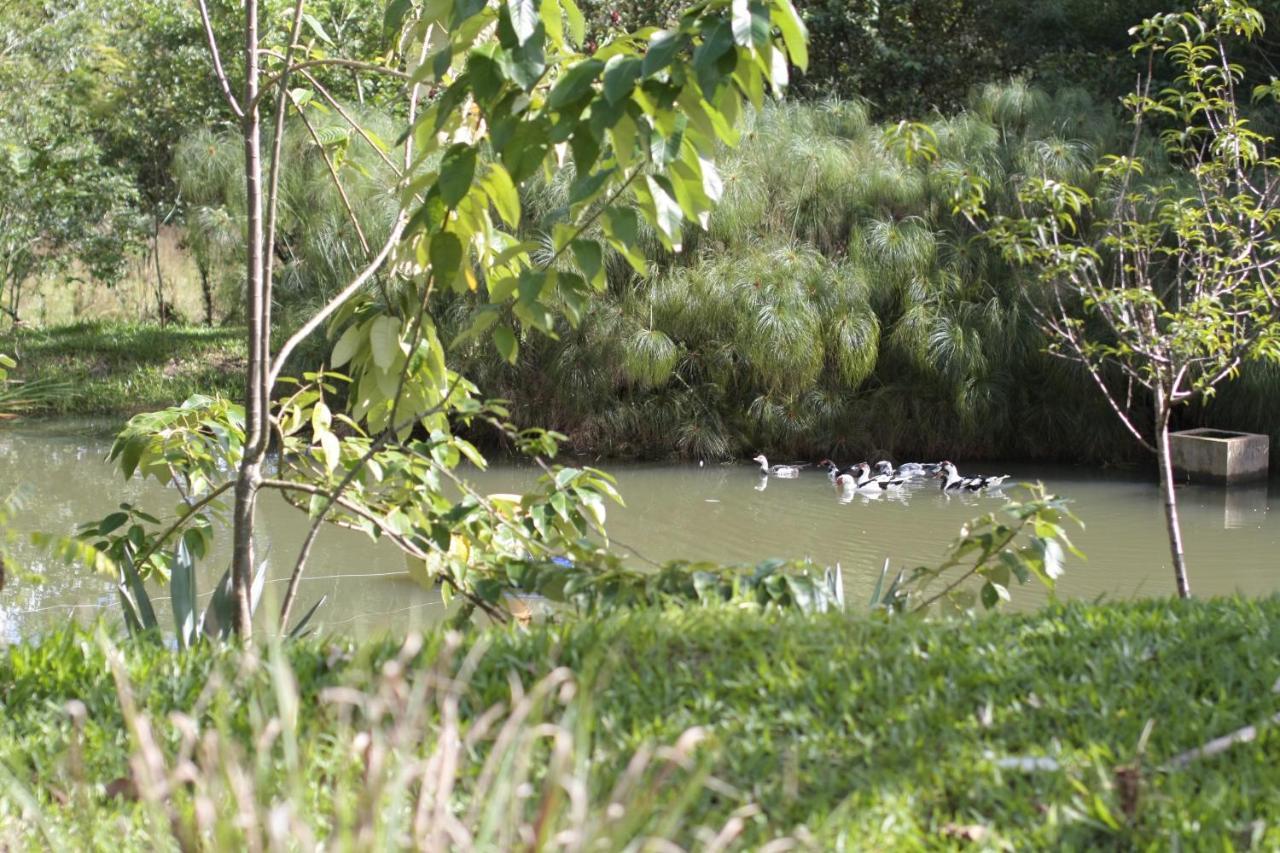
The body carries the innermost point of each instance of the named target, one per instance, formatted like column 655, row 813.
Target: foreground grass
column 827, row 730
column 121, row 369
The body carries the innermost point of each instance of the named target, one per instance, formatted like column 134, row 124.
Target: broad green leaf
column 446, row 257
column 741, row 22
column 330, row 450
column 663, row 46
column 794, row 33
column 505, row 340
column 321, row 418
column 502, row 194
column 524, row 18
column 457, row 170
column 577, row 23
column 182, row 587
column 525, row 64
column 620, row 75
column 622, row 227
column 575, row 83
column 552, row 21
column 384, row 340
column 347, row 345
column 590, row 260
column 667, row 214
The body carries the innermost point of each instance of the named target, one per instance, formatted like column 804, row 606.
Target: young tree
column 1161, row 282
column 638, row 120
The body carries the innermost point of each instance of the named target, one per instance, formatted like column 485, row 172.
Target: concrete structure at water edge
column 1220, row 456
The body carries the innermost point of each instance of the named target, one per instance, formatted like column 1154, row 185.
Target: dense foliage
column 836, row 304
column 885, row 734
column 908, row 58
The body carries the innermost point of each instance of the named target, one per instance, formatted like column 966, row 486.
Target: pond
column 58, row 469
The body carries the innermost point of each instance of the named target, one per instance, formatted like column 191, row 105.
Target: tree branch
column 212, row 41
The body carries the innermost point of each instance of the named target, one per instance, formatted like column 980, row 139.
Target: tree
column 61, row 199
column 1162, row 282
column 638, row 122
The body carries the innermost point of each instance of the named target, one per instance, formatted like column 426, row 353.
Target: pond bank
column 880, row 734
column 119, row 369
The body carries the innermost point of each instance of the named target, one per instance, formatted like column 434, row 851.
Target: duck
column 843, row 478
column 907, row 470
column 786, row 472
column 879, row 481
column 953, row 482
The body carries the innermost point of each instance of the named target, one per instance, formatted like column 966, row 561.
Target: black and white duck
column 907, row 470
column 868, row 481
column 953, row 482
column 785, row 472
column 843, row 478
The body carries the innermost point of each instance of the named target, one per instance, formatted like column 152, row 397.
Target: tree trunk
column 1169, row 496
column 206, row 289
column 161, row 310
column 249, row 477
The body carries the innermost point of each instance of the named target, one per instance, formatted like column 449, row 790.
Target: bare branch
column 218, row 71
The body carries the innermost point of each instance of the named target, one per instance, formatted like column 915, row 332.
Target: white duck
column 785, row 472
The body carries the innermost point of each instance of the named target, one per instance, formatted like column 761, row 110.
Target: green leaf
column 524, row 18
column 138, row 594
column 110, row 523
column 575, row 83
column 620, row 75
column 321, row 418
column 182, row 587
column 741, row 22
column 667, row 214
column 577, row 23
column 502, row 193
column 622, row 227
column 663, row 47
column 457, row 170
column 590, row 258
column 316, row 28
column 525, row 63
column 347, row 345
column 384, row 338
column 552, row 20
column 330, row 450
column 505, row 340
column 794, row 33
column 446, row 258
column 393, row 18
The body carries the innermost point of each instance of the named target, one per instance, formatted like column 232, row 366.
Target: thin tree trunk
column 155, row 251
column 249, row 477
column 206, row 290
column 1169, row 496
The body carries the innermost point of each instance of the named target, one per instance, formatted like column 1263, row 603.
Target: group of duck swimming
column 884, row 476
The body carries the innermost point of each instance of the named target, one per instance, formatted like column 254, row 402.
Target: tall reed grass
column 835, row 304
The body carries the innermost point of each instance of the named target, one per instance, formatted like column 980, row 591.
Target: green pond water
column 720, row 512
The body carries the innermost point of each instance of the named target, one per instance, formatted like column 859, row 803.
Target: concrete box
column 1219, row 456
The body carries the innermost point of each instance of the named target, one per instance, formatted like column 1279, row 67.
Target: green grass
column 864, row 732
column 121, row 369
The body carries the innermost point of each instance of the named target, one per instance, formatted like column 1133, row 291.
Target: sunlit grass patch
column 123, row 368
